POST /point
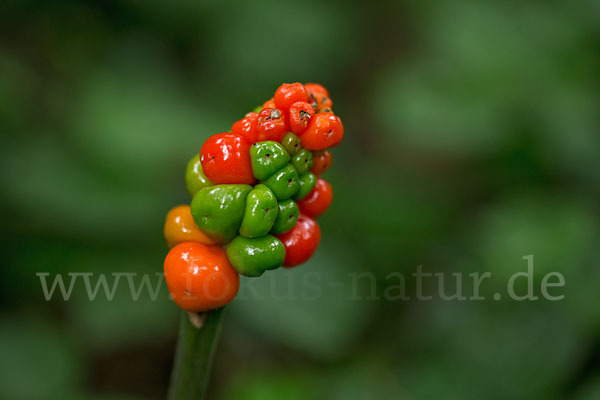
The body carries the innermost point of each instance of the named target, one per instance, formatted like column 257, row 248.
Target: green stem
column 198, row 334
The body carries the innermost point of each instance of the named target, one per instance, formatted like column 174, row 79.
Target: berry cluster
column 256, row 191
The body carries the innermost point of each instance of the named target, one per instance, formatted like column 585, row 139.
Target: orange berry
column 180, row 227
column 200, row 277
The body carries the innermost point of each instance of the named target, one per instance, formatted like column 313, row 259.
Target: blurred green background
column 472, row 140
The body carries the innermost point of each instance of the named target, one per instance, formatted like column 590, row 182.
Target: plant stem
column 198, row 334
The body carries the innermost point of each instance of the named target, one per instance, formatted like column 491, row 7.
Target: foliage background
column 472, row 140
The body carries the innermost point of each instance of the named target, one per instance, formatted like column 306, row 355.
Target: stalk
column 196, row 343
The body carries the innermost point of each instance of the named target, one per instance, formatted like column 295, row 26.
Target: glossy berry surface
column 284, row 182
column 194, row 176
column 200, row 277
column 267, row 157
column 325, row 130
column 307, row 182
column 302, row 161
column 225, row 158
column 254, row 256
column 300, row 114
column 247, row 127
column 180, row 227
column 218, row 210
column 289, row 93
column 271, row 125
column 318, row 200
column 261, row 212
column 301, row 241
column 286, row 218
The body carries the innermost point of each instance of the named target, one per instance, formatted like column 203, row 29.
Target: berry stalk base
column 198, row 336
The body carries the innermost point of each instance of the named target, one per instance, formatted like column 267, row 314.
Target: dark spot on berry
column 213, row 157
column 267, row 155
column 291, row 217
column 290, row 181
column 266, row 210
column 304, row 115
column 313, row 101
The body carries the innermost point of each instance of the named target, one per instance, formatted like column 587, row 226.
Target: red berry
column 246, row 127
column 301, row 241
column 271, row 125
column 289, row 93
column 300, row 114
column 317, row 201
column 225, row 158
column 322, row 161
column 319, row 96
column 324, row 130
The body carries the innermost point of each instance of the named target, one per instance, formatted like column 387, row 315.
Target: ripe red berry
column 300, row 114
column 272, row 125
column 318, row 200
column 246, row 127
column 319, row 96
column 322, row 161
column 301, row 241
column 289, row 93
column 225, row 158
column 324, row 130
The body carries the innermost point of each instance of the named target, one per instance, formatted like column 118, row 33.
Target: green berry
column 194, row 177
column 261, row 211
column 307, row 183
column 303, row 161
column 266, row 158
column 284, row 182
column 291, row 143
column 218, row 210
column 286, row 218
column 254, row 256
